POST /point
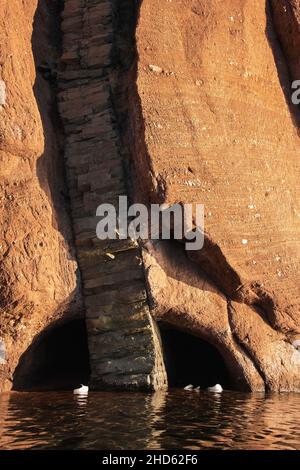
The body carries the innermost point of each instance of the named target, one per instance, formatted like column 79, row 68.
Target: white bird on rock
column 215, row 389
column 82, row 390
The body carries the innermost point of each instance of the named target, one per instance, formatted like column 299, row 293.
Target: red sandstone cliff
column 211, row 121
column 37, row 268
column 214, row 93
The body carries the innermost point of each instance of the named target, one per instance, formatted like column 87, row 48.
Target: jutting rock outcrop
column 124, row 344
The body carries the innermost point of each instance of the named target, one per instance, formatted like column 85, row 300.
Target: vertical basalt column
column 124, row 344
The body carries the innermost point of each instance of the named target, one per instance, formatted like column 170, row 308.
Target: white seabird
column 82, row 390
column 189, row 387
column 215, row 389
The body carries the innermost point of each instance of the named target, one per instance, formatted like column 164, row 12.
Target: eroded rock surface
column 182, row 296
column 203, row 116
column 213, row 88
column 37, row 267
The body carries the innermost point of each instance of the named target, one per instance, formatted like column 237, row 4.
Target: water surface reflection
column 164, row 420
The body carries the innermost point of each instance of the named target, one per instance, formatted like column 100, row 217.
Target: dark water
column 164, row 420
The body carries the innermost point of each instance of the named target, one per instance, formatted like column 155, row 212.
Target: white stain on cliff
column 2, row 352
column 2, row 93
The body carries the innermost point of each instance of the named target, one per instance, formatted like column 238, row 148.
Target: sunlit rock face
column 37, row 267
column 193, row 99
column 213, row 86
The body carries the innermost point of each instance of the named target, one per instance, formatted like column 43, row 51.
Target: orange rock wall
column 37, row 268
column 213, row 86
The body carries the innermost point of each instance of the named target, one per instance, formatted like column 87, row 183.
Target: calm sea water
column 164, row 420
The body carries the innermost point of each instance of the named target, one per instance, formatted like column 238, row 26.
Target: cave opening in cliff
column 57, row 360
column 191, row 360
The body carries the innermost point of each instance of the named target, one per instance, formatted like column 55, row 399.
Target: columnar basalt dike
column 186, row 101
column 123, row 342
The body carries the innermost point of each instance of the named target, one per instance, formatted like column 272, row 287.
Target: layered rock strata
column 123, row 342
column 213, row 89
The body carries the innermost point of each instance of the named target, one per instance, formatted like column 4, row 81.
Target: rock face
column 123, row 342
column 286, row 17
column 213, row 90
column 185, row 101
column 37, row 266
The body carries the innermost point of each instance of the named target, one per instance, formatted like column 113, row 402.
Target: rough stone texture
column 37, row 269
column 205, row 115
column 286, row 17
column 213, row 92
column 188, row 300
column 123, row 341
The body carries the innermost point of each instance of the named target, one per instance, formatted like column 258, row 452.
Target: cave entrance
column 191, row 360
column 57, row 360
